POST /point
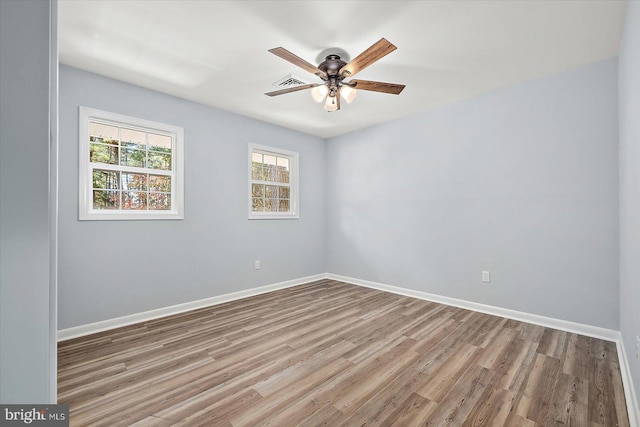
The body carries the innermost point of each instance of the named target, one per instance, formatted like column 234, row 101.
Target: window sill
column 273, row 216
column 129, row 216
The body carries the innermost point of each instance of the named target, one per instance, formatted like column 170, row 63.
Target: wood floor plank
column 441, row 381
column 602, row 408
column 501, row 340
column 271, row 405
column 517, row 421
column 553, row 343
column 456, row 405
column 329, row 353
column 619, row 400
column 327, row 416
column 361, row 391
column 413, row 411
column 541, row 386
column 492, row 408
column 570, row 401
column 302, row 370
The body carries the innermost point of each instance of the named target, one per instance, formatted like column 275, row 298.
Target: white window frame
column 86, row 211
column 294, row 183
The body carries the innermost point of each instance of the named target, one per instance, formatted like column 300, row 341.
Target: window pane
column 257, row 190
column 159, row 183
column 134, row 200
column 271, row 191
column 159, row 201
column 283, row 170
column 257, row 204
column 134, row 181
column 160, row 161
column 283, row 176
column 160, row 143
column 283, row 163
column 131, row 157
column 133, row 139
column 256, row 158
column 256, row 171
column 283, row 206
column 103, row 199
column 271, row 205
column 283, row 192
column 99, row 153
column 269, row 172
column 269, row 168
column 105, row 179
column 103, row 133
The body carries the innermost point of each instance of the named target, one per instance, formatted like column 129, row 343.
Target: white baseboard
column 563, row 325
column 627, row 382
column 549, row 322
column 104, row 325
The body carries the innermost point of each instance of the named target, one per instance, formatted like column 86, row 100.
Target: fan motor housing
column 332, row 65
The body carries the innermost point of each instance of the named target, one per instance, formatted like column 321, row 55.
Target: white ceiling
column 215, row 52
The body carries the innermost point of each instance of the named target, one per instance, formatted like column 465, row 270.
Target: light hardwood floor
column 329, row 353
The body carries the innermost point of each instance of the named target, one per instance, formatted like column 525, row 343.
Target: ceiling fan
column 333, row 71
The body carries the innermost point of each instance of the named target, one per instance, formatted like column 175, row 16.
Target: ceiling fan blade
column 296, row 60
column 378, row 50
column 391, row 88
column 291, row 89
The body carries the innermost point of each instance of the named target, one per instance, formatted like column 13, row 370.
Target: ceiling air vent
column 289, row 80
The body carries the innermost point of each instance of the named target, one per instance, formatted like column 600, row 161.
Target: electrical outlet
column 256, row 264
column 486, row 276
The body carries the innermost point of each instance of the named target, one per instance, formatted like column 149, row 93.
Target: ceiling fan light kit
column 348, row 93
column 333, row 71
column 319, row 92
column 331, row 103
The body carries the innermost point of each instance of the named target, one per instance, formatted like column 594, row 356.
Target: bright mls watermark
column 38, row 415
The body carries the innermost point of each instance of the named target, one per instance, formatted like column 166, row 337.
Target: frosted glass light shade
column 348, row 93
column 331, row 104
column 319, row 92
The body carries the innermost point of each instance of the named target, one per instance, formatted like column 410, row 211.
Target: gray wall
column 114, row 268
column 630, row 186
column 521, row 182
column 26, row 328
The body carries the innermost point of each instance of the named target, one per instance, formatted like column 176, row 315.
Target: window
column 273, row 183
column 129, row 168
